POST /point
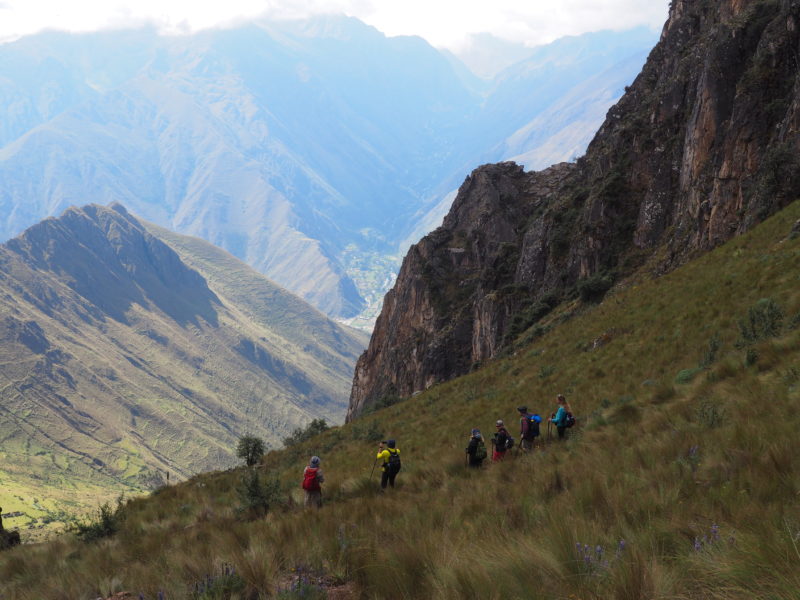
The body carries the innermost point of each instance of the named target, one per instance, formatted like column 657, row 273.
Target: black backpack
column 394, row 461
column 533, row 427
column 569, row 420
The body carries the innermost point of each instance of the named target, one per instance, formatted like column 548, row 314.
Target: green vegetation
column 250, row 449
column 300, row 434
column 663, row 490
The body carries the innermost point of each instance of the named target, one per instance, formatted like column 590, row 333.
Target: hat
column 390, row 443
column 499, row 423
column 522, row 408
column 314, row 462
column 476, row 433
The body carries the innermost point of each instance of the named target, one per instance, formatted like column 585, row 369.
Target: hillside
column 310, row 150
column 703, row 145
column 680, row 480
column 123, row 361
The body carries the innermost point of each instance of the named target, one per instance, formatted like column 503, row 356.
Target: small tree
column 299, row 435
column 250, row 449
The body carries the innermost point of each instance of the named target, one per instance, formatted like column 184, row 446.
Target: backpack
column 480, row 450
column 533, row 426
column 509, row 442
column 569, row 420
column 393, row 464
column 310, row 482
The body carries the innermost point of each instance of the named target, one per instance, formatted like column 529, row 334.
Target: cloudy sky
column 444, row 23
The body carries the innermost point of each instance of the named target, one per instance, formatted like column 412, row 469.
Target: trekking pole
column 371, row 473
column 549, row 423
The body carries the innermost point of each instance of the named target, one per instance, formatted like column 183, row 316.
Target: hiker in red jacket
column 312, row 478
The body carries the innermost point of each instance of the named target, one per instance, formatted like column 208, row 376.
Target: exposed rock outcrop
column 702, row 146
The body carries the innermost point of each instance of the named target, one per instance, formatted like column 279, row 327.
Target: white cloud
column 442, row 22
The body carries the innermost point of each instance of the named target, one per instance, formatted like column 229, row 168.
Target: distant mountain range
column 314, row 150
column 127, row 352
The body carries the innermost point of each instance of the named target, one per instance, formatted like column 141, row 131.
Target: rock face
column 702, row 146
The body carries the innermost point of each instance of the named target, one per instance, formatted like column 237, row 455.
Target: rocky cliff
column 703, row 145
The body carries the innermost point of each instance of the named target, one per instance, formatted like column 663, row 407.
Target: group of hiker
column 388, row 455
column 502, row 441
column 476, row 452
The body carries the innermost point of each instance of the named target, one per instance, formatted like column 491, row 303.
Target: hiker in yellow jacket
column 390, row 455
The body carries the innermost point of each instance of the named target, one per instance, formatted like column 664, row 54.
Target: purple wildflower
column 697, row 545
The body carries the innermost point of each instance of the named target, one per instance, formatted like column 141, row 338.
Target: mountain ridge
column 702, row 146
column 122, row 361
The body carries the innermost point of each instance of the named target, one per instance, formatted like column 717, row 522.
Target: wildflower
column 715, row 533
column 697, row 545
column 599, row 551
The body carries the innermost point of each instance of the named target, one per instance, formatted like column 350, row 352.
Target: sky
column 443, row 23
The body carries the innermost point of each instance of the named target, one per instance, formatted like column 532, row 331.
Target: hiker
column 528, row 428
column 390, row 454
column 501, row 441
column 562, row 416
column 476, row 449
column 312, row 478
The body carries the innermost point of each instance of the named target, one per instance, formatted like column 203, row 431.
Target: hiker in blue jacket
column 559, row 418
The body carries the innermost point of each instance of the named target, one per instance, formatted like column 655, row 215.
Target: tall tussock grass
column 670, row 487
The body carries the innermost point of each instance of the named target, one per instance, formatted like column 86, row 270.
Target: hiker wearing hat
column 528, row 428
column 312, row 478
column 501, row 441
column 390, row 455
column 476, row 449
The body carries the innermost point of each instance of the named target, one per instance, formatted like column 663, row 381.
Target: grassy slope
column 655, row 463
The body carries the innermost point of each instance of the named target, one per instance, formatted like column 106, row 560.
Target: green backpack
column 480, row 450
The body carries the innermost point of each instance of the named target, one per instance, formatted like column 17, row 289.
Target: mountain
column 679, row 480
column 569, row 85
column 128, row 351
column 701, row 147
column 286, row 144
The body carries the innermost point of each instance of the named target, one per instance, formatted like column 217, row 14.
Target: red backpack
column 310, row 482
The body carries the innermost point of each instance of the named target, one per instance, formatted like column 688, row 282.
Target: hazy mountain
column 568, row 86
column 122, row 357
column 487, row 55
column 311, row 150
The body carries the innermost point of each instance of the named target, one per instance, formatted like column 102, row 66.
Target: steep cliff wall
column 703, row 145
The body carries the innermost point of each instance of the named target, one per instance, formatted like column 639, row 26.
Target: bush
column 686, row 375
column 250, row 449
column 257, row 497
column 594, row 288
column 709, row 414
column 369, row 432
column 107, row 523
column 711, row 353
column 764, row 320
column 300, row 435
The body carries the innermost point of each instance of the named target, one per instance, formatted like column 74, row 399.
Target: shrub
column 709, row 414
column 711, row 353
column 250, row 449
column 686, row 375
column 257, row 497
column 107, row 523
column 594, row 288
column 369, row 432
column 764, row 320
column 299, row 435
